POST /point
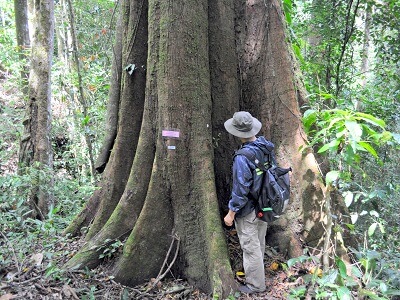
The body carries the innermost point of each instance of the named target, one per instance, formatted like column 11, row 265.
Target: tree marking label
column 171, row 134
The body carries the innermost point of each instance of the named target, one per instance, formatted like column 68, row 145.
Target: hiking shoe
column 246, row 290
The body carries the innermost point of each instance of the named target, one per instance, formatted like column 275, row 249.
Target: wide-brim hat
column 243, row 125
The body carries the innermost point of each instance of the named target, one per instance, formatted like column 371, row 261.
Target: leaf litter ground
column 41, row 276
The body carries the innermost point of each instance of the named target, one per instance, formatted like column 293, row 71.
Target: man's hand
column 230, row 216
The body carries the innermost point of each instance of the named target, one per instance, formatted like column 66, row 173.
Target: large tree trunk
column 35, row 147
column 198, row 73
column 116, row 173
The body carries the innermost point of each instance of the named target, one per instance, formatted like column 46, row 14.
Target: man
column 246, row 184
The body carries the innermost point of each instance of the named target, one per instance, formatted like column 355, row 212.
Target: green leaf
column 342, row 267
column 309, row 118
column 291, row 262
column 372, row 228
column 344, row 293
column 331, row 145
column 287, row 7
column 369, row 148
column 354, row 129
column 326, row 96
column 332, row 176
column 355, row 271
column 370, row 119
column 85, row 121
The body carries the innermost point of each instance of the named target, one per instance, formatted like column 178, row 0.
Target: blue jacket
column 246, row 183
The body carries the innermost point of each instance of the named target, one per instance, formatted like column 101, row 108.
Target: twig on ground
column 161, row 276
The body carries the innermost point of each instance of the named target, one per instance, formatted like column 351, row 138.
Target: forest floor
column 42, row 277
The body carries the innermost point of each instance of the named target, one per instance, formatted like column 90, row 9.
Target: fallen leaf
column 37, row 258
column 314, row 270
column 274, row 266
column 7, row 297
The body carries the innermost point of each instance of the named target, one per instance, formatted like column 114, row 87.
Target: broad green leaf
column 344, row 293
column 287, row 7
column 373, row 255
column 342, row 267
column 341, row 133
column 369, row 148
column 329, row 278
column 354, row 129
column 331, row 176
column 355, row 271
column 326, row 96
column 386, row 136
column 331, row 145
column 291, row 262
column 370, row 119
column 309, row 118
column 371, row 229
column 334, row 121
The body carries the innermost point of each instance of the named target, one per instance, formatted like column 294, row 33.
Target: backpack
column 274, row 193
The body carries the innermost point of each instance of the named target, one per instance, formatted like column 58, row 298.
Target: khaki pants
column 251, row 232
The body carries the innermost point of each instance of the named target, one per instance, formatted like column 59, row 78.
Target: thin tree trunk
column 23, row 39
column 81, row 95
column 349, row 29
column 35, row 147
column 365, row 52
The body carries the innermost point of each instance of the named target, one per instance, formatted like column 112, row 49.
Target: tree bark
column 225, row 91
column 271, row 92
column 23, row 39
column 194, row 82
column 116, row 173
column 113, row 100
column 35, row 146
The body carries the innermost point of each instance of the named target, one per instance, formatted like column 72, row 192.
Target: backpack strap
column 250, row 155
